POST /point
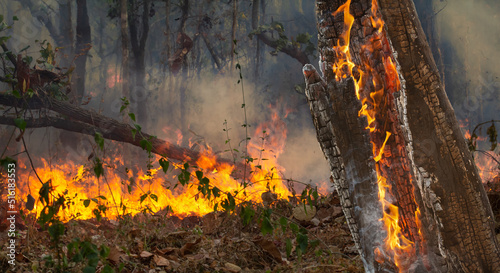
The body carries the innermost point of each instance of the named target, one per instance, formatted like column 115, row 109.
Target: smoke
column 212, row 101
column 469, row 41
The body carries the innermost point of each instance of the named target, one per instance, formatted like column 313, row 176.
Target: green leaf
column 132, row 116
column 20, row 123
column 154, row 197
column 134, row 131
column 107, row 269
column 266, row 227
column 14, row 18
column 289, row 247
column 283, row 223
column 146, row 145
column 143, row 197
column 302, row 241
column 1, row 18
column 199, row 175
column 99, row 140
column 247, row 214
column 216, row 192
column 98, row 169
column 493, row 135
column 164, row 164
column 86, row 203
column 104, row 251
column 89, row 269
column 294, row 227
column 303, row 38
column 16, row 94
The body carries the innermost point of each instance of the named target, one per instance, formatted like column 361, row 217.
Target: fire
column 486, row 161
column 125, row 191
column 375, row 91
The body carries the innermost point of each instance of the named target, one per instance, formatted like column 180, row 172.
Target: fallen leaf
column 269, row 247
column 189, row 246
column 167, row 250
column 146, row 254
column 160, row 261
column 232, row 268
column 114, row 255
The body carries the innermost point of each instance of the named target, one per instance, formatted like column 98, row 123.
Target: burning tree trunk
column 410, row 192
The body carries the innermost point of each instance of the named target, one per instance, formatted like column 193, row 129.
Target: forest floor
column 216, row 242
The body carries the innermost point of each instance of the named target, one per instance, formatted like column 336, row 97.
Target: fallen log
column 89, row 122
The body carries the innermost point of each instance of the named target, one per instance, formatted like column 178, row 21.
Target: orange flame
column 130, row 192
column 372, row 89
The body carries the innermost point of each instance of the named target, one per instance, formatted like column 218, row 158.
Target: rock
column 232, row 267
column 304, row 213
column 315, row 222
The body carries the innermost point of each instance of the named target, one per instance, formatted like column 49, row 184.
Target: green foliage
column 302, row 41
column 492, row 135
column 164, row 164
column 20, row 123
column 99, row 140
column 247, row 213
column 266, row 225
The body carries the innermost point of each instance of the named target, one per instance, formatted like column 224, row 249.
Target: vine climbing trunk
column 409, row 189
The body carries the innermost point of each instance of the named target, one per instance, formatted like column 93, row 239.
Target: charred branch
column 89, row 122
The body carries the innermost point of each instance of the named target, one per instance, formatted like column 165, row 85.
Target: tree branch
column 89, row 122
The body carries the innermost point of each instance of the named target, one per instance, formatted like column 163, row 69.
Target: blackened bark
column 455, row 199
column 443, row 208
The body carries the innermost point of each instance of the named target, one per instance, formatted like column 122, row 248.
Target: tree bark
column 411, row 147
column 82, row 47
column 125, row 52
column 461, row 212
column 233, row 32
column 138, row 46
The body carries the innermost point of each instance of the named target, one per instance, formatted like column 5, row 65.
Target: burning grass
column 215, row 242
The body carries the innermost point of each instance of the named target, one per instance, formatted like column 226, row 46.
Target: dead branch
column 89, row 122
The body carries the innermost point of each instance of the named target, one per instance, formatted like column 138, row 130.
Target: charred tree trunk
column 409, row 189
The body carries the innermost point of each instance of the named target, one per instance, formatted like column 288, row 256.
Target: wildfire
column 375, row 89
column 125, row 191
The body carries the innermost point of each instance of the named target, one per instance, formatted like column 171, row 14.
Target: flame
column 130, row 191
column 486, row 161
column 374, row 90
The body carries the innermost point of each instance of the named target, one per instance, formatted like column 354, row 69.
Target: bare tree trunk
column 395, row 150
column 185, row 69
column 233, row 32
column 66, row 33
column 138, row 45
column 82, row 46
column 168, row 41
column 125, row 52
column 255, row 25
